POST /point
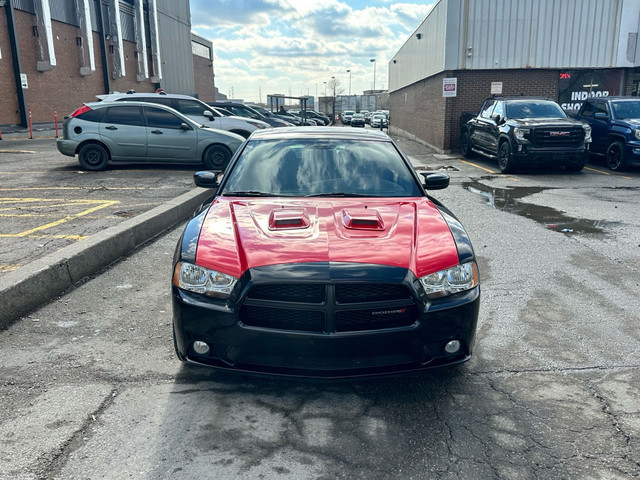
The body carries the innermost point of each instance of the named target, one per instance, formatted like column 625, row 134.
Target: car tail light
column 80, row 111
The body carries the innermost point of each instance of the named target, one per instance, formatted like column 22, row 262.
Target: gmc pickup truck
column 615, row 128
column 525, row 132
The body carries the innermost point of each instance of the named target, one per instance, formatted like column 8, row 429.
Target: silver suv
column 142, row 132
column 193, row 108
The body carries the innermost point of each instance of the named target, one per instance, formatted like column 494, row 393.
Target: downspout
column 103, row 48
column 17, row 68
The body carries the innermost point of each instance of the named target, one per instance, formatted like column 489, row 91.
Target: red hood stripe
column 235, row 235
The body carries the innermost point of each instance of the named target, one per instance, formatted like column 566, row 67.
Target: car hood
column 239, row 234
column 547, row 122
column 632, row 122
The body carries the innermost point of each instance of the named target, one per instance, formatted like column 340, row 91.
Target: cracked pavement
column 90, row 387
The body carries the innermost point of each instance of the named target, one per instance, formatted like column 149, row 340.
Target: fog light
column 451, row 347
column 202, row 348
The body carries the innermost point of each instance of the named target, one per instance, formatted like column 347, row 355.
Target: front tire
column 465, row 145
column 93, row 157
column 505, row 160
column 615, row 157
column 216, row 158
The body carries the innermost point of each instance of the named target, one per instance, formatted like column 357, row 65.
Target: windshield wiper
column 249, row 193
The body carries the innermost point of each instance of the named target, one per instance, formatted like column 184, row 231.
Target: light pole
column 325, row 88
column 373, row 60
column 333, row 84
column 349, row 72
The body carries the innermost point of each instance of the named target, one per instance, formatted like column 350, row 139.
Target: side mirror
column 601, row 116
column 435, row 181
column 184, row 126
column 206, row 179
column 496, row 118
column 208, row 114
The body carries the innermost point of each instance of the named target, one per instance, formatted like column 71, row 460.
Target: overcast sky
column 293, row 46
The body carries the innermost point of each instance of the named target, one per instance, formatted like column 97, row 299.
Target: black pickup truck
column 525, row 131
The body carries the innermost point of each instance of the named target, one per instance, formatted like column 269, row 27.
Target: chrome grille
column 558, row 136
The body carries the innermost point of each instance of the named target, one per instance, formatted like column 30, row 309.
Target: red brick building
column 56, row 55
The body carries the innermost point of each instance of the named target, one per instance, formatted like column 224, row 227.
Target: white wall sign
column 23, row 79
column 496, row 88
column 449, row 87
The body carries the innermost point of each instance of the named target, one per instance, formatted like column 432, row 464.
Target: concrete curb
column 44, row 279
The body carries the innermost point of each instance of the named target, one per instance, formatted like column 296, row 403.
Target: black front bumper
column 381, row 335
column 562, row 157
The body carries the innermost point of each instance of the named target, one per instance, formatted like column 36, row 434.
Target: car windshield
column 626, row 109
column 534, row 109
column 321, row 167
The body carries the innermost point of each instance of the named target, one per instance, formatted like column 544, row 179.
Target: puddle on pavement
column 508, row 200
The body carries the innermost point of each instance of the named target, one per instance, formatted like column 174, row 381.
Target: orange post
column 55, row 117
column 30, row 126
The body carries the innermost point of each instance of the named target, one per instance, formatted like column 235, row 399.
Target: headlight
column 452, row 280
column 197, row 279
column 636, row 134
column 520, row 133
column 587, row 132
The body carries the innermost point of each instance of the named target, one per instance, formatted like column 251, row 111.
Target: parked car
column 322, row 254
column 379, row 120
column 615, row 129
column 357, row 120
column 242, row 110
column 525, row 131
column 101, row 132
column 295, row 114
column 193, row 108
column 345, row 118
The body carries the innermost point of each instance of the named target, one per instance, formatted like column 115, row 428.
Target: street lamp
column 373, row 60
column 325, row 88
column 349, row 72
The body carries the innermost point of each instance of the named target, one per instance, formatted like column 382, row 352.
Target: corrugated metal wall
column 506, row 34
column 174, row 23
column 419, row 58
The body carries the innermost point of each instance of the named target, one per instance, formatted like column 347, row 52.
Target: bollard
column 30, row 126
column 55, row 119
column 0, row 134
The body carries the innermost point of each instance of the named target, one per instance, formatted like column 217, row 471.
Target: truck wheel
column 505, row 162
column 93, row 157
column 465, row 145
column 216, row 158
column 615, row 156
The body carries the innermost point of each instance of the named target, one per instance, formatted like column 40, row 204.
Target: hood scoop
column 288, row 219
column 362, row 219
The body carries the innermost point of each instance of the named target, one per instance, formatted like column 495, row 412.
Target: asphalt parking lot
column 47, row 202
column 91, row 387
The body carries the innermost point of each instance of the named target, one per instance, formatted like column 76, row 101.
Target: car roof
column 519, row 97
column 618, row 98
column 149, row 94
column 319, row 133
column 105, row 104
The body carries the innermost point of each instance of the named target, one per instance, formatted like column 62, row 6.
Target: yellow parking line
column 597, row 171
column 26, row 233
column 9, row 267
column 17, row 151
column 607, row 173
column 477, row 166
